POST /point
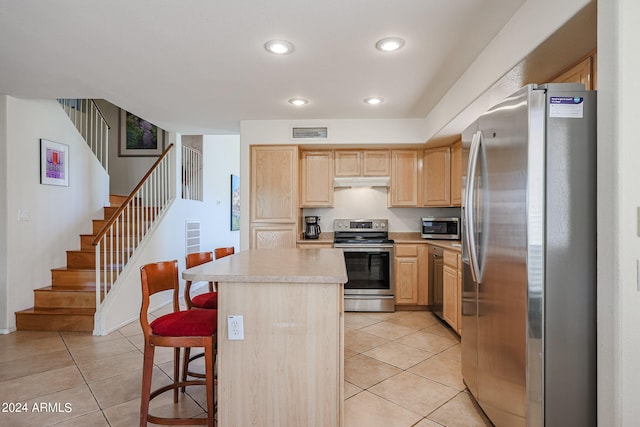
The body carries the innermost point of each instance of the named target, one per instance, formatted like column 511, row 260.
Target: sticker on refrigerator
column 569, row 107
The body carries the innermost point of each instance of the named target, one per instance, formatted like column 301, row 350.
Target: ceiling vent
column 310, row 133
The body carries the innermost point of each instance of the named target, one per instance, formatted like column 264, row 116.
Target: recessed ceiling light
column 279, row 47
column 298, row 101
column 390, row 44
column 374, row 100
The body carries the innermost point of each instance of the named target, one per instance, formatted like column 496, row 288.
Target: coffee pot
column 312, row 228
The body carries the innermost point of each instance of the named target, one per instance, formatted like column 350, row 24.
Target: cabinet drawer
column 406, row 250
column 451, row 259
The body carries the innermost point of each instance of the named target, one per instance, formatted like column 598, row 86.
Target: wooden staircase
column 69, row 304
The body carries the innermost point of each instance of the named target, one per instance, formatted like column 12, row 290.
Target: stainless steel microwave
column 440, row 228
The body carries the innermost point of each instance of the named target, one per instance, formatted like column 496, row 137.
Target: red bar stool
column 207, row 300
column 189, row 328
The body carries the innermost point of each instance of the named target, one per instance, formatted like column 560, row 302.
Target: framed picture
column 138, row 137
column 235, row 203
column 54, row 163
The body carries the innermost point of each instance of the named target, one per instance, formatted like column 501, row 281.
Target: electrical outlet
column 235, row 327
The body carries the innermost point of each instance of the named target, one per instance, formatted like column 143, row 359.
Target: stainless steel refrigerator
column 529, row 258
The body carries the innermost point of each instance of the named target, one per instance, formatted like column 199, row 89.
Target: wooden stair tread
column 75, row 269
column 59, row 311
column 70, row 288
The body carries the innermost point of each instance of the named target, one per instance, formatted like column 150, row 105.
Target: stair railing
column 192, row 174
column 90, row 122
column 126, row 229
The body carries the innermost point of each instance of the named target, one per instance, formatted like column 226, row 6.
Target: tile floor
column 401, row 369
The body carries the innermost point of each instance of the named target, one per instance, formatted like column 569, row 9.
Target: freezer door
column 469, row 341
column 508, row 131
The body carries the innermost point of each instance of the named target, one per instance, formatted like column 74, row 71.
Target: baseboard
column 7, row 331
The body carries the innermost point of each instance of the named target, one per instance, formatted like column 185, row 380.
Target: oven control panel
column 360, row 225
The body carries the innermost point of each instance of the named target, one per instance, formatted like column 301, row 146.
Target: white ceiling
column 199, row 66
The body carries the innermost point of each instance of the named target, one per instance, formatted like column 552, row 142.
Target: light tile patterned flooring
column 401, row 369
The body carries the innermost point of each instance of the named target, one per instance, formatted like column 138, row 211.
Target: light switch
column 24, row 214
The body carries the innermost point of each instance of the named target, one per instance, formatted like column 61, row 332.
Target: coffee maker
column 312, row 228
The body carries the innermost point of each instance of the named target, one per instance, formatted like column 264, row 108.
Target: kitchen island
column 288, row 368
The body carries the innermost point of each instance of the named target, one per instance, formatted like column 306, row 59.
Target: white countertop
column 324, row 265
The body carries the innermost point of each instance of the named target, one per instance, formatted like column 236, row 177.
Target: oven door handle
column 354, row 248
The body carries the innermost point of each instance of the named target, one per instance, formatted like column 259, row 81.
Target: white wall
column 4, row 314
column 534, row 22
column 124, row 172
column 58, row 215
column 372, row 203
column 221, row 160
column 618, row 201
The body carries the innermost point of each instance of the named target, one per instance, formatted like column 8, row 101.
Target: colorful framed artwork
column 138, row 137
column 235, row 203
column 54, row 163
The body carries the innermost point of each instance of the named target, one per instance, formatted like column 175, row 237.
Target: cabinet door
column 316, row 187
column 407, row 276
column 274, row 183
column 376, row 162
column 450, row 296
column 579, row 73
column 273, row 236
column 404, row 178
column 456, row 174
column 348, row 162
column 437, row 176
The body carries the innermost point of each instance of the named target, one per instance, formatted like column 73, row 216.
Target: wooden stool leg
column 209, row 358
column 176, row 372
column 147, row 370
column 185, row 365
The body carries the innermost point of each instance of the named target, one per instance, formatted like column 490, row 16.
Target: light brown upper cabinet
column 348, row 163
column 273, row 195
column 316, row 179
column 405, row 168
column 583, row 72
column 362, row 163
column 437, row 177
column 456, row 174
column 376, row 163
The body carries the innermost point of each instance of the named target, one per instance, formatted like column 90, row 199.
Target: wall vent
column 192, row 236
column 309, row 132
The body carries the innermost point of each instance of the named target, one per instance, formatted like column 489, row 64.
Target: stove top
column 361, row 231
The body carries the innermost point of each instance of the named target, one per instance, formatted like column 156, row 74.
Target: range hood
column 361, row 181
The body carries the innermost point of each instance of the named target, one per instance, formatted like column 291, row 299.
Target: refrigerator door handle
column 469, row 211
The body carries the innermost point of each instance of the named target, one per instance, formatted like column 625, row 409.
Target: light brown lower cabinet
column 411, row 278
column 451, row 290
column 273, row 236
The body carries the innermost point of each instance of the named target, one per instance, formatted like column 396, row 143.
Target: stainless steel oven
column 368, row 255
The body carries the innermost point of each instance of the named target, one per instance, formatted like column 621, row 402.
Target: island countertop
column 323, row 265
